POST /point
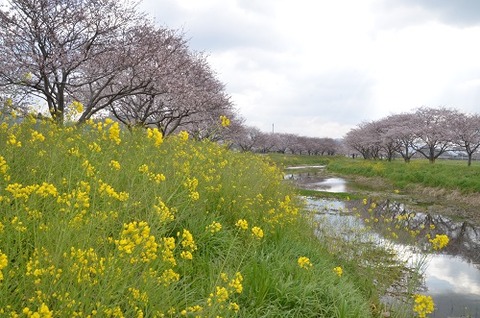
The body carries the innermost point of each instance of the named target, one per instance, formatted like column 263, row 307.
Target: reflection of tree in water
column 464, row 236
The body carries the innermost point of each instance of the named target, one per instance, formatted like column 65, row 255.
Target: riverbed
column 451, row 275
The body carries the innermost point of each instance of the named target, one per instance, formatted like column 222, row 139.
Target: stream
column 451, row 275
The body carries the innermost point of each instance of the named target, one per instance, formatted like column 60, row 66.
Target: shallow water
column 452, row 275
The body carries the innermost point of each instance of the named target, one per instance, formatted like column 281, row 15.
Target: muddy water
column 452, row 275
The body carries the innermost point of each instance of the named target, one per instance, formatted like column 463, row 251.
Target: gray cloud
column 462, row 13
column 220, row 27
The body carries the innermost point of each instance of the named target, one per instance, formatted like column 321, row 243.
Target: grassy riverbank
column 453, row 175
column 101, row 222
column 447, row 174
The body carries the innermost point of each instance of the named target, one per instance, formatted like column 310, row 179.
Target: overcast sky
column 320, row 67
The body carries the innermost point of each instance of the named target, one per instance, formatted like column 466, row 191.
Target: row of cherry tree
column 109, row 58
column 247, row 138
column 429, row 132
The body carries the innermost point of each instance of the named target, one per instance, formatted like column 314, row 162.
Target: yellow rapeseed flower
column 183, row 135
column 77, row 107
column 236, row 283
column 115, row 165
column 214, row 227
column 423, row 305
column 156, row 135
column 338, row 270
column 257, row 232
column 42, row 312
column 225, row 121
column 12, row 141
column 3, row 264
column 304, row 262
column 439, row 242
column 36, row 136
column 242, row 224
column 114, row 132
column 3, row 165
column 188, row 244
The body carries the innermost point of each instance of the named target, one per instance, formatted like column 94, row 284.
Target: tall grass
column 96, row 221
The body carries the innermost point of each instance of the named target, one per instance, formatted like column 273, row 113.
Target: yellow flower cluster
column 257, row 232
column 165, row 213
column 42, row 312
column 183, row 135
column 169, row 276
column 304, row 262
column 155, row 135
column 18, row 191
column 224, row 292
column 12, row 141
column 191, row 184
column 225, row 122
column 114, row 133
column 285, row 213
column 78, row 198
column 3, row 165
column 3, row 264
column 37, row 136
column 87, row 266
column 439, row 242
column 105, row 188
column 188, row 244
column 77, row 107
column 214, row 227
column 94, row 147
column 242, row 224
column 136, row 241
column 194, row 310
column 423, row 305
column 115, row 165
column 167, row 252
column 156, row 177
column 338, row 270
column 89, row 169
column 41, row 265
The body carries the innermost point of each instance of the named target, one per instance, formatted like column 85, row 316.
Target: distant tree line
column 246, row 138
column 429, row 132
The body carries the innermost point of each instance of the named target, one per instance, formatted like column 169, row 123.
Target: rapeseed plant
column 439, row 242
column 338, row 271
column 90, row 216
column 304, row 262
column 423, row 305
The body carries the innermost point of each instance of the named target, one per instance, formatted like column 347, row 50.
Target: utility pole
column 273, row 128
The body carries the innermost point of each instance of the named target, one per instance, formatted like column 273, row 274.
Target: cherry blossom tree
column 55, row 48
column 188, row 97
column 400, row 131
column 466, row 132
column 248, row 139
column 433, row 131
column 365, row 139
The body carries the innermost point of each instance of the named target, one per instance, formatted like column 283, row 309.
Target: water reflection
column 464, row 236
column 454, row 285
column 318, row 182
column 452, row 275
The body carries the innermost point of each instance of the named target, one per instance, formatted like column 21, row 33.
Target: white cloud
column 309, row 64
